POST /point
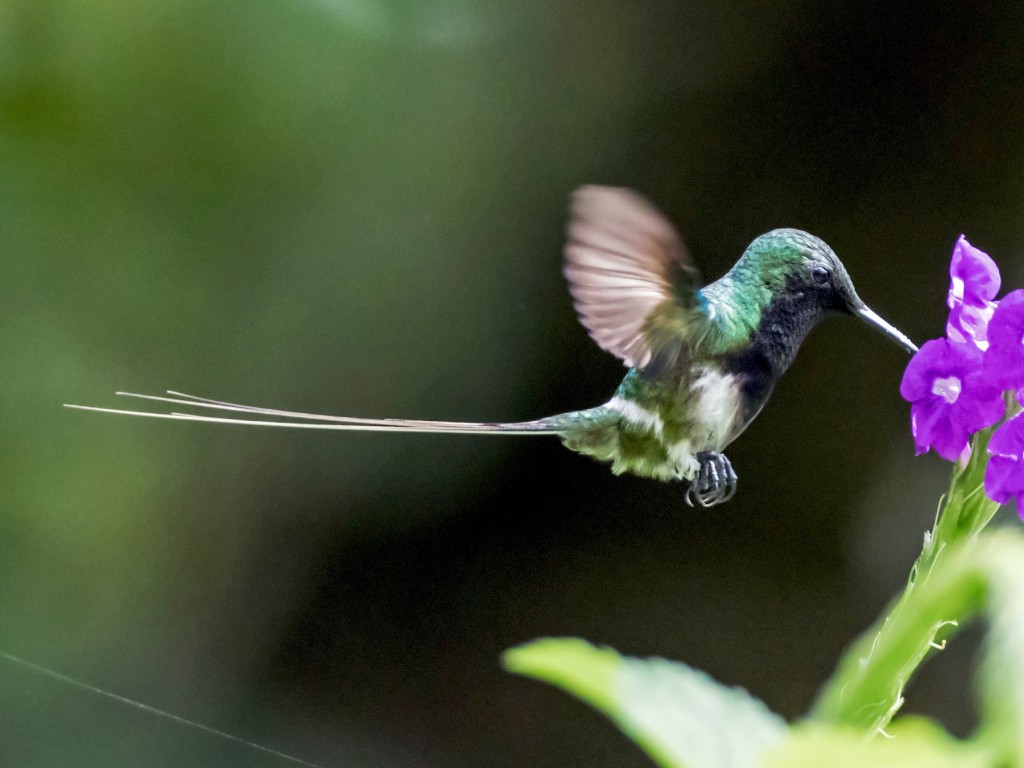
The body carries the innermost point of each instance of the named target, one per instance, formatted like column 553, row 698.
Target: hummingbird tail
column 272, row 417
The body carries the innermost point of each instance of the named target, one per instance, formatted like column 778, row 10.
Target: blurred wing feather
column 629, row 274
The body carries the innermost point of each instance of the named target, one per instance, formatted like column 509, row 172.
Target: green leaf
column 1002, row 674
column 914, row 743
column 679, row 716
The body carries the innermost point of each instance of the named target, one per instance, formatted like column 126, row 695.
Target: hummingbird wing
column 633, row 284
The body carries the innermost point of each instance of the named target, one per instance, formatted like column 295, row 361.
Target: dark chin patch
column 784, row 324
column 789, row 318
column 831, row 300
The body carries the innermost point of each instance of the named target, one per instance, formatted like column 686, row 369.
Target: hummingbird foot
column 715, row 482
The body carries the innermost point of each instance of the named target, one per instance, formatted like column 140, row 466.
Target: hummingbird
column 702, row 360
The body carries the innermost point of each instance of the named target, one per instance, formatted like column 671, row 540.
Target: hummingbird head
column 804, row 275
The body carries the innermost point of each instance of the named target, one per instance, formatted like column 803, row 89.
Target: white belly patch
column 715, row 408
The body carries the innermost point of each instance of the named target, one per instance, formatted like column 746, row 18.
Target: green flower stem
column 867, row 689
column 967, row 510
column 944, row 590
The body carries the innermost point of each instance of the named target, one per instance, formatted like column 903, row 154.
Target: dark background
column 357, row 207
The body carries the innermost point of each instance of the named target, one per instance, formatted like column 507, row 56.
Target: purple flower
column 974, row 283
column 1004, row 360
column 1004, row 475
column 950, row 399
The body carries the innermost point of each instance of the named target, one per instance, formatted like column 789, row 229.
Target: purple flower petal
column 985, row 404
column 969, row 324
column 943, row 433
column 1004, row 360
column 1004, row 475
column 974, row 276
column 974, row 282
column 950, row 398
column 1003, row 479
column 965, row 456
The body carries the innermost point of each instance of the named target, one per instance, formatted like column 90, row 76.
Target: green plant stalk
column 943, row 591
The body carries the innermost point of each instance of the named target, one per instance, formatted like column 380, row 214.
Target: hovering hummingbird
column 702, row 361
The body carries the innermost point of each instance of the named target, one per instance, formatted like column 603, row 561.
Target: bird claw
column 715, row 482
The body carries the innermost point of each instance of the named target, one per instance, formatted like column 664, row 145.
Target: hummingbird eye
column 820, row 274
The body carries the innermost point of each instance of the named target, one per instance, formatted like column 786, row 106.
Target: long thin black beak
column 869, row 317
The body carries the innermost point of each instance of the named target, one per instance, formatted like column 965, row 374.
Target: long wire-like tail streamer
column 318, row 420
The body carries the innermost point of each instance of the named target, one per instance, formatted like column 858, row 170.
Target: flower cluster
column 955, row 384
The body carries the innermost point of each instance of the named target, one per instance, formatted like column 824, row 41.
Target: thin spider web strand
column 151, row 710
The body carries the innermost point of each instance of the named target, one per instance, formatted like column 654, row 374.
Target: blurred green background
column 357, row 207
